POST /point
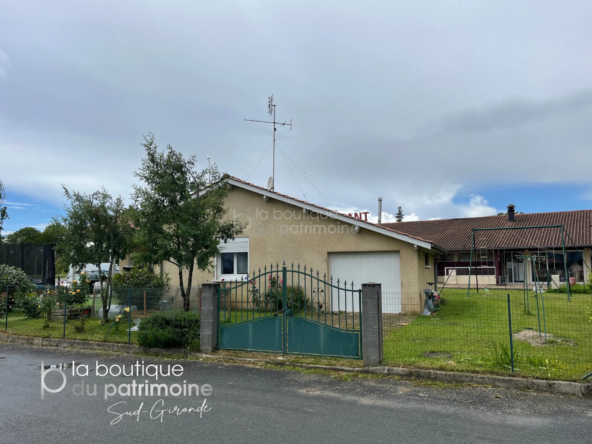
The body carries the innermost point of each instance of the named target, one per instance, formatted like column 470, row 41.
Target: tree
column 53, row 234
column 27, row 235
column 399, row 216
column 98, row 230
column 3, row 210
column 180, row 218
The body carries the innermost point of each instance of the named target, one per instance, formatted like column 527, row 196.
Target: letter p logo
column 44, row 372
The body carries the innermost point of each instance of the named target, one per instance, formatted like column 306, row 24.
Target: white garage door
column 361, row 268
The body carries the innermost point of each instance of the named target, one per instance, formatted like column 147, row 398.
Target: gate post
column 372, row 324
column 209, row 317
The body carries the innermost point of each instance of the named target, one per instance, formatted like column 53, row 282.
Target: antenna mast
column 271, row 111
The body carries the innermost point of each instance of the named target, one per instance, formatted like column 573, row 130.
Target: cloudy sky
column 448, row 108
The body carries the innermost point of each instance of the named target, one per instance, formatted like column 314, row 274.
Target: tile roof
column 455, row 234
column 328, row 210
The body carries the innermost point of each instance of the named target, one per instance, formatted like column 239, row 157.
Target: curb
column 547, row 386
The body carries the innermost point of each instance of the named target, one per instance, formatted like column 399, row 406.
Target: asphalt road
column 253, row 405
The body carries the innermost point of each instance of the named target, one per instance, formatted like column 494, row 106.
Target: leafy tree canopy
column 98, row 230
column 179, row 216
column 3, row 210
column 399, row 216
column 27, row 235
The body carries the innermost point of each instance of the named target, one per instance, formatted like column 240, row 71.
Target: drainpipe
column 379, row 210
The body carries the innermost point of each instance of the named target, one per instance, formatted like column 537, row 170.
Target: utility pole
column 271, row 111
column 209, row 171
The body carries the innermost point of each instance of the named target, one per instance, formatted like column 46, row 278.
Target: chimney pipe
column 511, row 213
column 379, row 210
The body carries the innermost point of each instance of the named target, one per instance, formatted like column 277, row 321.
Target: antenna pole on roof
column 209, row 171
column 271, row 111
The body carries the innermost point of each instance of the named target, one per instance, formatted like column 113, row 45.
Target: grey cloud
column 509, row 114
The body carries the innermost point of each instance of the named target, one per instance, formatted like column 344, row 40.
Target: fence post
column 285, row 308
column 511, row 339
column 6, row 316
column 372, row 323
column 65, row 302
column 208, row 323
column 129, row 313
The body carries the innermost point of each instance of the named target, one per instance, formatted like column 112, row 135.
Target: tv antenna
column 271, row 111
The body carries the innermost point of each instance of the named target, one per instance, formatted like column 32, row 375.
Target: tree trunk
column 109, row 276
column 187, row 299
column 181, row 286
column 103, row 297
column 94, row 297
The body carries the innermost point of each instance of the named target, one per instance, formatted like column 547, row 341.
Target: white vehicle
column 90, row 269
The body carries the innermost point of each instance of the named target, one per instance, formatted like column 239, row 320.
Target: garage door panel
column 362, row 268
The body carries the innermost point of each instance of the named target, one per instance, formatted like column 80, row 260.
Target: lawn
column 18, row 324
column 467, row 334
column 471, row 334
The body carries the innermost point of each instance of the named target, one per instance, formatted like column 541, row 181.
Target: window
column 475, row 271
column 448, row 258
column 227, row 263
column 233, row 262
column 484, row 255
column 464, row 257
column 426, row 260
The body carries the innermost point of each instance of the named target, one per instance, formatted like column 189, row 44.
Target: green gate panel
column 262, row 334
column 313, row 338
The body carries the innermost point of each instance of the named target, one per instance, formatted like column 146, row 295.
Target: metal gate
column 291, row 311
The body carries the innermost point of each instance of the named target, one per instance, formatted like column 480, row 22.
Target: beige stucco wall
column 424, row 273
column 280, row 232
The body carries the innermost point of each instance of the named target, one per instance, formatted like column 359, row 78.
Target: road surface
column 239, row 404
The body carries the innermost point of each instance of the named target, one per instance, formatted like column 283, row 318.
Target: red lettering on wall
column 359, row 215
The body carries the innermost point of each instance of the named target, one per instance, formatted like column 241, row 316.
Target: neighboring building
column 281, row 228
column 496, row 260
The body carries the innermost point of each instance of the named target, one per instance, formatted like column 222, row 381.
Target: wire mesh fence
column 75, row 312
column 535, row 334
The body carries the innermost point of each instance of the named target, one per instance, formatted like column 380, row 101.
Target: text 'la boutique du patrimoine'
column 133, row 388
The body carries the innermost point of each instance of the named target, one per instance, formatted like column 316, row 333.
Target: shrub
column 137, row 281
column 30, row 303
column 172, row 329
column 79, row 326
column 574, row 289
column 16, row 279
column 78, row 292
column 272, row 298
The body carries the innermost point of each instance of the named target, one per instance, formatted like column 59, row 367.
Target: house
column 280, row 228
column 498, row 250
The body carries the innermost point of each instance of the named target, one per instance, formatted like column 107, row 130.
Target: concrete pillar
column 587, row 266
column 372, row 324
column 208, row 325
column 527, row 265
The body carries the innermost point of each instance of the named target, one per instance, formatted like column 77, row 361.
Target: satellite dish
column 270, row 184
